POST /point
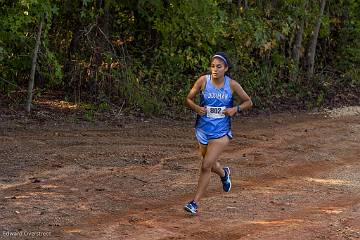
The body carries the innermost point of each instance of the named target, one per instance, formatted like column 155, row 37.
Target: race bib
column 215, row 112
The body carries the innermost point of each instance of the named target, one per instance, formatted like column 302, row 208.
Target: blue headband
column 221, row 57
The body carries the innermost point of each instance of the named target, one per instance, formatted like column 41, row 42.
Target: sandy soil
column 295, row 176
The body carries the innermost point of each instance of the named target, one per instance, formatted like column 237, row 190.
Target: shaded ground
column 295, row 176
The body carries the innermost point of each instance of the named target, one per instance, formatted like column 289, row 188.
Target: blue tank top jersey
column 212, row 97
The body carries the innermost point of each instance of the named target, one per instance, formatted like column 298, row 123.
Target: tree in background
column 313, row 41
column 145, row 54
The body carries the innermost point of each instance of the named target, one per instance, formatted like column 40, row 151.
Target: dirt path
column 294, row 177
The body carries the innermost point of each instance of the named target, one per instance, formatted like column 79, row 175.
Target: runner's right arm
column 198, row 85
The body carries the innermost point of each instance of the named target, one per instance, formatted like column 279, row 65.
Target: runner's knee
column 215, row 166
column 206, row 167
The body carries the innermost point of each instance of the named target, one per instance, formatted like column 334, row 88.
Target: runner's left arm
column 246, row 102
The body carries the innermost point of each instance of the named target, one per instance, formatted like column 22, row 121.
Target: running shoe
column 226, row 180
column 191, row 207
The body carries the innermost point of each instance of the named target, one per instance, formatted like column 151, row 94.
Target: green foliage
column 89, row 115
column 104, row 106
column 350, row 33
column 18, row 26
column 87, row 106
column 189, row 32
column 146, row 54
column 51, row 69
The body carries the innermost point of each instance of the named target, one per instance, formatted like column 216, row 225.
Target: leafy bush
column 146, row 54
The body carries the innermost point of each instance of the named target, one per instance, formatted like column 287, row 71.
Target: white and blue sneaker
column 226, row 180
column 191, row 207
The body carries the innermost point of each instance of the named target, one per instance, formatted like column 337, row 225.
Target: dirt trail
column 294, row 177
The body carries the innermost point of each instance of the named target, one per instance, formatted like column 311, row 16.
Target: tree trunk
column 298, row 42
column 296, row 51
column 313, row 42
column 274, row 3
column 74, row 42
column 245, row 7
column 107, row 17
column 104, row 21
column 33, row 68
column 345, row 16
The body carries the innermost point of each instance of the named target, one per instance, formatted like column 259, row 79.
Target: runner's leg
column 202, row 148
column 216, row 168
column 213, row 150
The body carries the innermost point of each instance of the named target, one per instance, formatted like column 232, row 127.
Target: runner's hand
column 230, row 111
column 201, row 110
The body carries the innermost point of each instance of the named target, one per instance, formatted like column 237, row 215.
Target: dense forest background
column 143, row 55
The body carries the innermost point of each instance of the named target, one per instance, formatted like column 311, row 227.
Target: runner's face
column 218, row 68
